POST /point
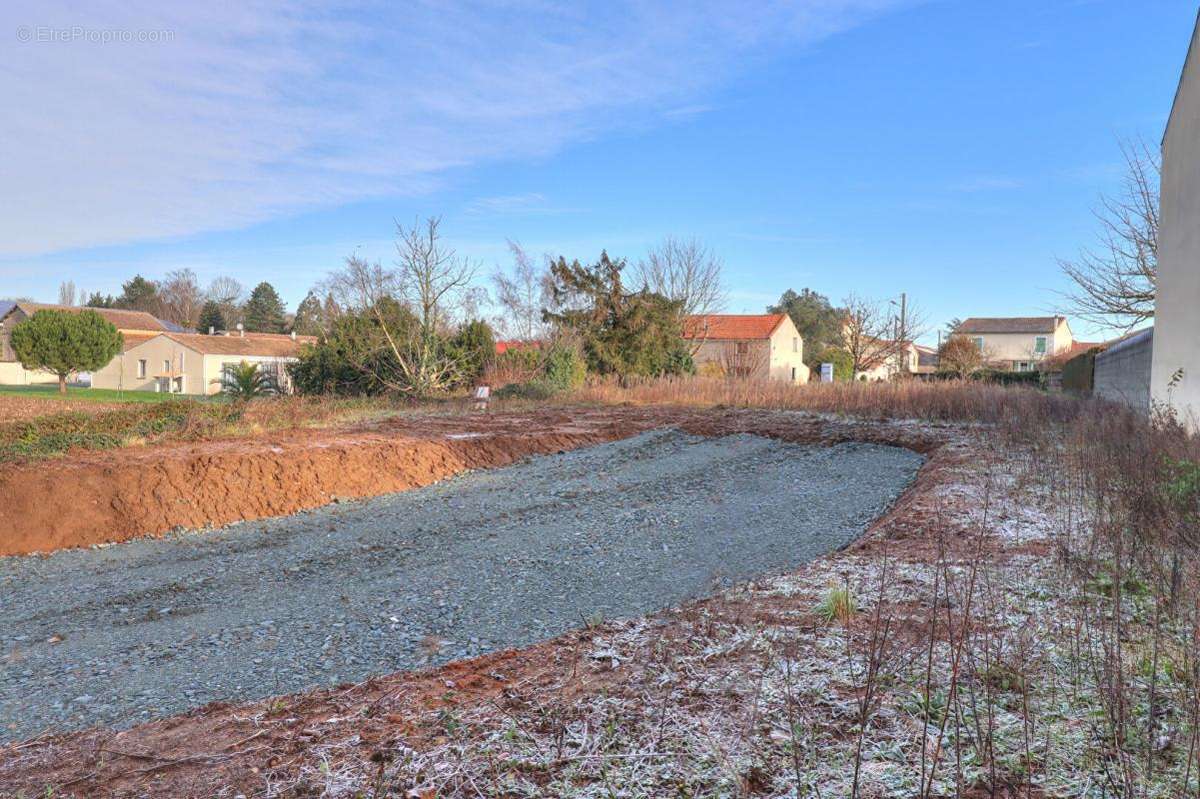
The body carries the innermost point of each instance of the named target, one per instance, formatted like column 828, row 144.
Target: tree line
column 223, row 305
column 416, row 326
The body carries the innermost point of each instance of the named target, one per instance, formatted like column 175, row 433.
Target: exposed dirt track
column 102, row 497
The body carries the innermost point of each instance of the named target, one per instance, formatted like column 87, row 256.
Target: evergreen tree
column 98, row 300
column 138, row 294
column 624, row 333
column 63, row 342
column 211, row 317
column 817, row 320
column 264, row 311
column 309, row 319
column 474, row 346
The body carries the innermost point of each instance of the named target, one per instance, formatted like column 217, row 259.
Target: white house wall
column 1175, row 371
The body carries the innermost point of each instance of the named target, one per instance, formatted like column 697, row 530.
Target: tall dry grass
column 963, row 401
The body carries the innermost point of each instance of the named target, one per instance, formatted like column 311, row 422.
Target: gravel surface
column 483, row 561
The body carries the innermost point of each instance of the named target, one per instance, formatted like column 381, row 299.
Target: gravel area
column 484, row 561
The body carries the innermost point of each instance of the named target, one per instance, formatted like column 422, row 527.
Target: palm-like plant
column 245, row 382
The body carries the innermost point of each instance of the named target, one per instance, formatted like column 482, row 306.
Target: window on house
column 743, row 347
column 167, row 365
column 141, row 369
column 1039, row 345
column 795, row 344
column 979, row 342
column 227, row 378
column 793, row 374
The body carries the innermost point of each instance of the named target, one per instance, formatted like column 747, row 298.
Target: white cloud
column 242, row 112
column 527, row 204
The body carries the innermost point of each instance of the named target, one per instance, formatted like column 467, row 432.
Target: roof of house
column 504, row 345
column 1077, row 348
column 120, row 318
column 260, row 345
column 133, row 338
column 732, row 327
column 1010, row 324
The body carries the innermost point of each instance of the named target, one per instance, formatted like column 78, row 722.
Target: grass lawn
column 92, row 394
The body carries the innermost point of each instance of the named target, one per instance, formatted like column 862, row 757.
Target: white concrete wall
column 13, row 374
column 1122, row 372
column 787, row 354
column 1177, row 309
column 122, row 371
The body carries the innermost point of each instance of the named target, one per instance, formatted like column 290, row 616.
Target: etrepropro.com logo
column 82, row 33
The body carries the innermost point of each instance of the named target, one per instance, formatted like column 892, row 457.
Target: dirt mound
column 238, row 746
column 119, row 495
column 102, row 497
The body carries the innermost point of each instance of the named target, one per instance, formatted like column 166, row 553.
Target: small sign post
column 826, row 373
column 482, row 394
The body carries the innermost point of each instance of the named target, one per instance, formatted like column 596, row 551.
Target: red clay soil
column 228, row 747
column 93, row 498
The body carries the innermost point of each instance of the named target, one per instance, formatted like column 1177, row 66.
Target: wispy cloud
column 186, row 117
column 529, row 204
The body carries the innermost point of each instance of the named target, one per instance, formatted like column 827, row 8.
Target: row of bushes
column 56, row 433
column 998, row 377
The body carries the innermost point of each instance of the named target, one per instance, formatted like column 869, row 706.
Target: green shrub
column 56, row 433
column 1005, row 378
column 843, row 364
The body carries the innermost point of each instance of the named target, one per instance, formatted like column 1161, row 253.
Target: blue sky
column 949, row 149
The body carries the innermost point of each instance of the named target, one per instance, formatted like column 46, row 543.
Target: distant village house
column 748, row 346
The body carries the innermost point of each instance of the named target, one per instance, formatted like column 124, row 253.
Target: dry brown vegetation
column 962, row 401
column 1025, row 623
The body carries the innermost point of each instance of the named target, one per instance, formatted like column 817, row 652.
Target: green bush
column 843, row 364
column 556, row 370
column 57, row 433
column 1006, row 378
column 473, row 346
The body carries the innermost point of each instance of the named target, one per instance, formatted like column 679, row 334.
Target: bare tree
column 66, row 292
column 1115, row 281
column 523, row 295
column 425, row 286
column 181, row 297
column 685, row 271
column 961, row 356
column 432, row 278
column 874, row 336
column 229, row 294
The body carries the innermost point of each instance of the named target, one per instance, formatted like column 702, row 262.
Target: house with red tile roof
column 747, row 346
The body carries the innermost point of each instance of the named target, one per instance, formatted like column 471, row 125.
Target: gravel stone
column 486, row 560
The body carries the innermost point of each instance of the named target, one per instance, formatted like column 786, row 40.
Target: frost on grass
column 961, row 669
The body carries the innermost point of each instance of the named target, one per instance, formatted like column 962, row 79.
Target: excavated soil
column 223, row 748
column 95, row 498
column 230, row 749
